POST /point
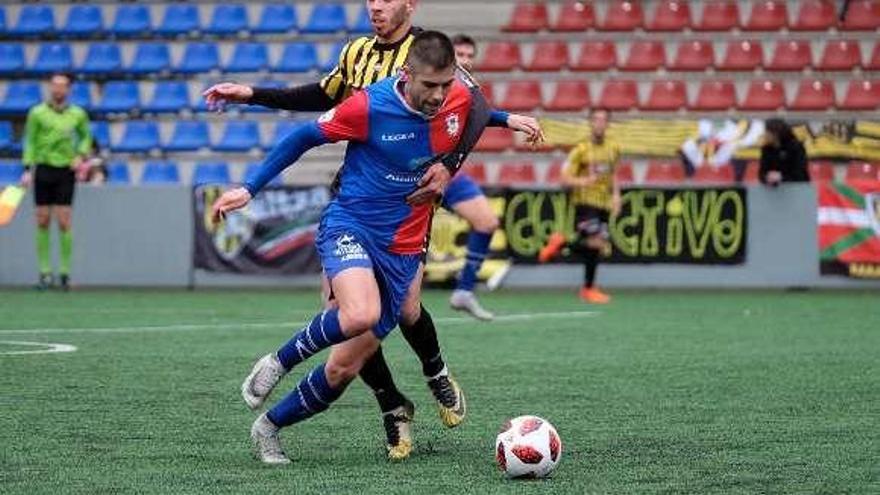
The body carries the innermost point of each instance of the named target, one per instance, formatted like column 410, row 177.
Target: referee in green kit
column 57, row 138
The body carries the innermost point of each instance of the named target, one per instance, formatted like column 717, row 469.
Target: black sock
column 377, row 376
column 422, row 337
column 591, row 261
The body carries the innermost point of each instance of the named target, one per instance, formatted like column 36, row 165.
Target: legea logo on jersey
column 347, row 248
column 403, row 136
column 452, row 125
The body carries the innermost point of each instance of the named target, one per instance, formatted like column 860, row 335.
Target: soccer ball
column 528, row 447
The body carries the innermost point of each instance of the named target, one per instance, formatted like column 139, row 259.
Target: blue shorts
column 461, row 188
column 341, row 249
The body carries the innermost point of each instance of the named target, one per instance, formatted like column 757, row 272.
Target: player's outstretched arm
column 305, row 98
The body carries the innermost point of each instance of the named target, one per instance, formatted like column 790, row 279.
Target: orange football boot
column 554, row 245
column 593, row 295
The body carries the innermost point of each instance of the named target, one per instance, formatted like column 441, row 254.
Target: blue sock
column 478, row 248
column 312, row 396
column 321, row 333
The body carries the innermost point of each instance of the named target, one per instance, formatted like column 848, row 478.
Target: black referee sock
column 377, row 376
column 422, row 337
column 591, row 261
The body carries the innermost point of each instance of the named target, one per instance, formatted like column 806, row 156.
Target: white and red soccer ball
column 528, row 447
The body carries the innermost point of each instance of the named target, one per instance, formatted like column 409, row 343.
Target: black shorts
column 591, row 221
column 53, row 185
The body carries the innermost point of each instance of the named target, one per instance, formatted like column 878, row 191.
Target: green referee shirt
column 55, row 136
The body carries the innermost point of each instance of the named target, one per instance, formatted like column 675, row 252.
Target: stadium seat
column 752, row 173
column 840, row 55
column 179, row 19
column 719, row 15
column 119, row 97
column 199, row 57
column 276, row 19
column 666, row 96
column 34, row 20
column 138, row 137
column 495, row 139
column 663, row 172
column 211, row 173
column 189, row 135
column 239, row 136
column 862, row 95
column 862, row 15
column 528, row 17
column 764, row 95
column 623, row 15
column 362, row 23
column 791, row 55
column 645, row 56
column 569, row 96
column 596, row 56
column 101, row 133
column 248, row 57
column 816, row 15
column 5, row 134
column 10, row 173
column 102, row 58
column 821, row 171
column 297, row 57
column 863, row 171
column 476, row 171
column 117, row 173
column 501, row 56
column 813, row 94
column 131, row 20
column 326, row 18
column 228, row 19
column 523, row 96
column 150, row 58
column 488, row 90
column 694, row 56
column 549, row 56
column 53, row 57
column 81, row 95
column 715, row 96
column 553, row 176
column 333, row 56
column 517, row 174
column 169, row 97
column 670, row 15
column 11, row 58
column 767, row 15
column 2, row 19
column 708, row 174
column 83, row 20
column 619, row 95
column 575, row 15
column 743, row 55
column 624, row 173
column 874, row 62
column 158, row 173
column 20, row 97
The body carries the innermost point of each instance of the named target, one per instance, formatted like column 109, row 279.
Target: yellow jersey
column 599, row 160
column 365, row 61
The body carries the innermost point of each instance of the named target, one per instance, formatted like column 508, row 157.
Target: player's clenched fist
column 231, row 200
column 219, row 95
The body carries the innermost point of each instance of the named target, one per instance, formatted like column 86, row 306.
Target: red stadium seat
column 841, row 55
column 528, row 18
column 715, row 96
column 753, row 171
column 570, row 96
column 764, row 95
column 862, row 95
column 666, row 96
column 671, row 15
column 596, row 56
column 575, row 16
column 623, row 15
column 791, row 56
column 624, row 173
column 694, row 56
column 554, row 173
column 863, row 171
column 816, row 15
column 814, row 94
column 501, row 56
column 488, row 90
column 476, row 171
column 517, row 173
column 495, row 139
column 708, row 174
column 664, row 173
column 549, row 56
column 743, row 55
column 767, row 15
column 645, row 56
column 619, row 95
column 874, row 63
column 719, row 15
column 522, row 96
column 862, row 15
column 821, row 171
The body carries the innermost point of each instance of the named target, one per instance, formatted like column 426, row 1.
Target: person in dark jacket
column 783, row 157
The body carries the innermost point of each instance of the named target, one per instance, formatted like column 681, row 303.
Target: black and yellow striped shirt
column 365, row 61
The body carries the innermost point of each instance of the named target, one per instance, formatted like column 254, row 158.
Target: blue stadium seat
column 228, row 19
column 5, row 134
column 179, row 18
column 150, row 58
column 282, row 129
column 83, row 20
column 81, row 95
column 2, row 19
column 119, row 97
column 20, row 97
column 199, row 57
column 250, row 172
column 169, row 96
column 10, row 172
column 160, row 173
column 276, row 18
column 362, row 24
column 333, row 57
column 239, row 136
column 34, row 20
column 102, row 58
column 11, row 58
column 189, row 135
column 131, row 20
column 117, row 173
column 326, row 18
column 138, row 137
column 53, row 57
column 211, row 173
column 297, row 57
column 248, row 57
column 101, row 133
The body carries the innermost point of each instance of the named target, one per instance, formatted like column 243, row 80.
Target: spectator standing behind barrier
column 783, row 157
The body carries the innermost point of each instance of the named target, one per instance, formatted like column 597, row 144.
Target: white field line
column 49, row 347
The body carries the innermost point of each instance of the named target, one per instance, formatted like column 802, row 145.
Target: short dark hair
column 463, row 39
column 431, row 48
column 780, row 129
column 594, row 110
column 66, row 75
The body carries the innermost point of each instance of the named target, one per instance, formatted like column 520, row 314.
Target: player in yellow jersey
column 589, row 173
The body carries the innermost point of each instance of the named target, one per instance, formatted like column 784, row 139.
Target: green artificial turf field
column 660, row 392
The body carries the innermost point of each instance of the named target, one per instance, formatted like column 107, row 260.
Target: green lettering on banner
column 729, row 231
column 697, row 218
